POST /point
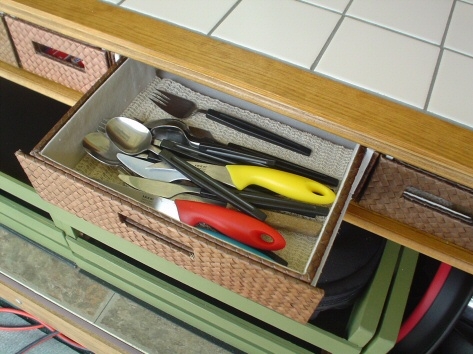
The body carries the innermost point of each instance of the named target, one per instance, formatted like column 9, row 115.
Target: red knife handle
column 232, row 223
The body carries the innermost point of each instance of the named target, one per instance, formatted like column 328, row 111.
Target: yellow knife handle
column 284, row 183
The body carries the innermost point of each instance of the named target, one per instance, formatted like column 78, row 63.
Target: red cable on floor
column 36, row 326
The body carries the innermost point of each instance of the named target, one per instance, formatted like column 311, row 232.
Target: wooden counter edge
column 41, row 85
column 407, row 236
column 385, row 126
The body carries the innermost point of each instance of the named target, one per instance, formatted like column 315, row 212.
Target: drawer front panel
column 421, row 200
column 68, row 62
column 176, row 242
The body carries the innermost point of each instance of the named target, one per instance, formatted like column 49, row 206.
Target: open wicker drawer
column 63, row 174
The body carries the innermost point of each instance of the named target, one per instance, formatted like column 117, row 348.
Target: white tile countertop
column 416, row 52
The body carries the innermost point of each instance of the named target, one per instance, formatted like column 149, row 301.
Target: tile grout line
column 329, row 39
column 408, row 35
column 223, row 18
column 439, row 59
column 469, row 56
column 104, row 308
column 434, row 79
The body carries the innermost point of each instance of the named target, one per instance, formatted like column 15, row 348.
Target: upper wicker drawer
column 421, row 200
column 55, row 57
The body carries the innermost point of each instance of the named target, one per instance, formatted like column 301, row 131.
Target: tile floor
column 418, row 53
column 144, row 328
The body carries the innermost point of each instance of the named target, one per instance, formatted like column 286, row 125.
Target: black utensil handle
column 292, row 167
column 257, row 132
column 193, row 153
column 275, row 203
column 275, row 257
column 236, row 155
column 206, row 182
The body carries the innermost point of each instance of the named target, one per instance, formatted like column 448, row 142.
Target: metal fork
column 180, row 107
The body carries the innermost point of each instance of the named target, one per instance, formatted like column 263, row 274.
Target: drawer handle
column 162, row 238
column 59, row 56
column 438, row 204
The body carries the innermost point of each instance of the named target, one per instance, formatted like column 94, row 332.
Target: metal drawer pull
column 166, row 240
column 439, row 204
column 59, row 56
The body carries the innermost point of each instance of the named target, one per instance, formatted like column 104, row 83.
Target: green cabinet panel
column 200, row 313
column 33, row 226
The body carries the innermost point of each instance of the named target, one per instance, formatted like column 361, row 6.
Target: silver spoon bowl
column 176, row 130
column 193, row 134
column 130, row 136
column 101, row 148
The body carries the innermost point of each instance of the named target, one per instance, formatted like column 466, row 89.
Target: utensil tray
column 57, row 170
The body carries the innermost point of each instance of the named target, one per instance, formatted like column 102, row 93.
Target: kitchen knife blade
column 232, row 223
column 240, row 176
column 159, row 188
column 260, row 200
column 139, row 167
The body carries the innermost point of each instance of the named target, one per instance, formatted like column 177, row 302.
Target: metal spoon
column 133, row 137
column 197, row 134
column 101, row 148
column 177, row 131
column 130, row 136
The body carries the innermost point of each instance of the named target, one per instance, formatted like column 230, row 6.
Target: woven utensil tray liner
column 7, row 53
column 247, row 277
column 384, row 194
column 24, row 35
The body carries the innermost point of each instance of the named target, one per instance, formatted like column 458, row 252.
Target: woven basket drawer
column 173, row 241
column 7, row 52
column 55, row 57
column 66, row 176
column 421, row 200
